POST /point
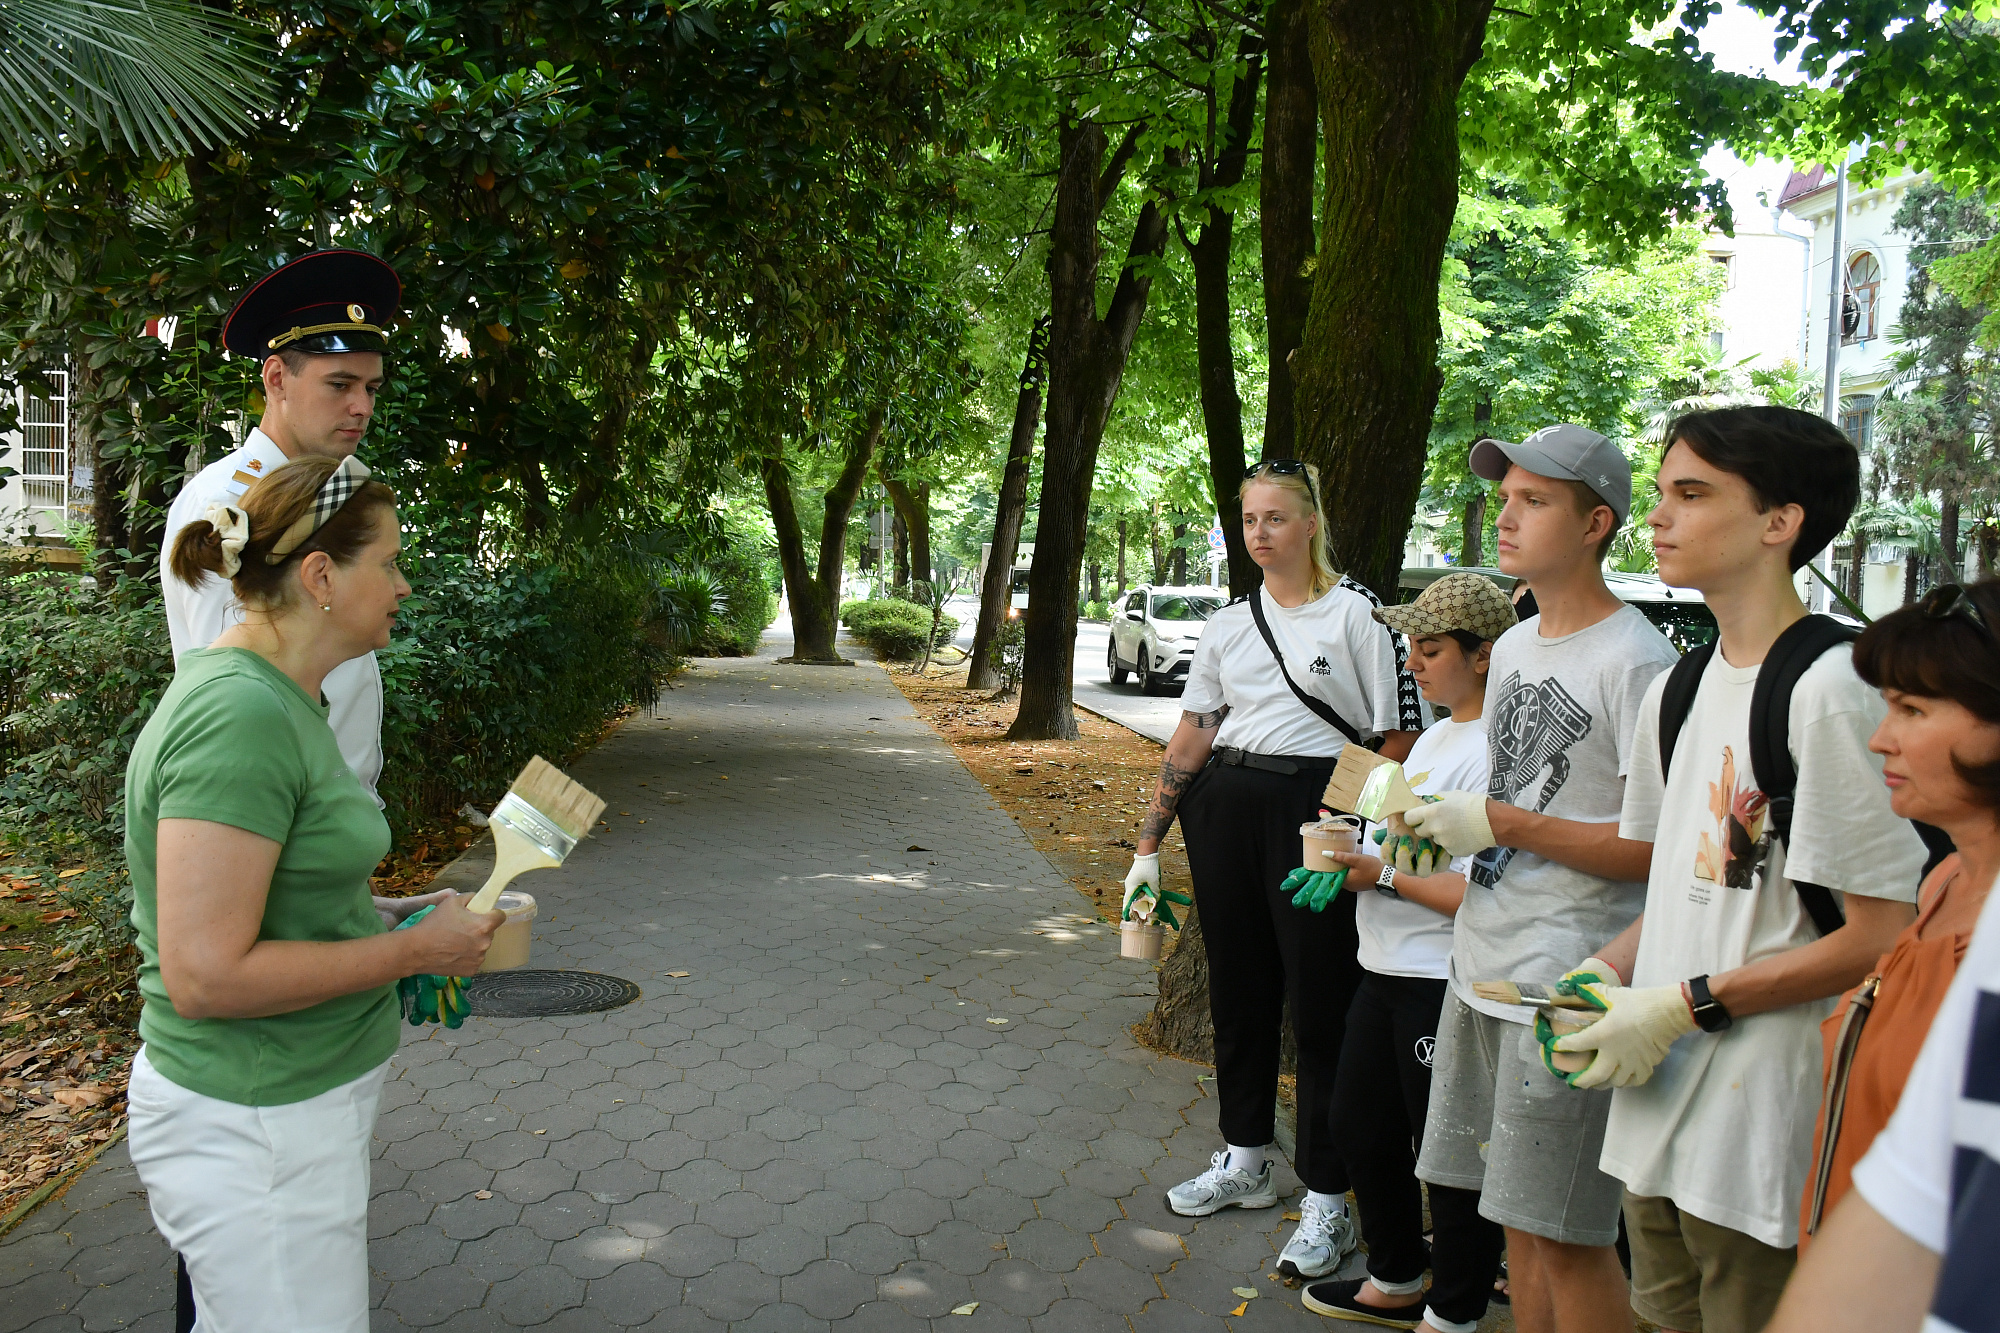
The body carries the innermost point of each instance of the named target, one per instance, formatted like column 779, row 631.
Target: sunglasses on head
column 1284, row 467
column 1949, row 600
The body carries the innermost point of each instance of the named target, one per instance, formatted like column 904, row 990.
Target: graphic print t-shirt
column 1724, row 1127
column 1561, row 719
column 1401, row 938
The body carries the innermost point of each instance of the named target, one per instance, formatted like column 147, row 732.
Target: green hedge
column 895, row 629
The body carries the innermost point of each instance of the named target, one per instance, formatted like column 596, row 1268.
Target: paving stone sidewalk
column 896, row 1080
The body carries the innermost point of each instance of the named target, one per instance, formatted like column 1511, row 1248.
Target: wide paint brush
column 1350, row 775
column 536, row 826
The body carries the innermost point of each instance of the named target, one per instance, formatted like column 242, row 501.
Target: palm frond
column 160, row 75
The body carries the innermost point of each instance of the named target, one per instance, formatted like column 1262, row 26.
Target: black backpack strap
column 1320, row 707
column 1771, row 740
column 1677, row 701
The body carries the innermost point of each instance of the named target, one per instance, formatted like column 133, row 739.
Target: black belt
column 1287, row 764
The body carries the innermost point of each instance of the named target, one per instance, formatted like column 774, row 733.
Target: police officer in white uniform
column 316, row 325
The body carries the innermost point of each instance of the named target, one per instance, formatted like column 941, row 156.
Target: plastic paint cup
column 510, row 942
column 1140, row 939
column 1339, row 833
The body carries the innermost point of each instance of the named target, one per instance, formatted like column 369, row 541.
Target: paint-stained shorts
column 1499, row 1122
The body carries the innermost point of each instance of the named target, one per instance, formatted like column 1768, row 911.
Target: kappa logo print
column 1532, row 730
column 1426, row 1048
column 1320, row 667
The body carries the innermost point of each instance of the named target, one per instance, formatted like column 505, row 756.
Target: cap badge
column 357, row 314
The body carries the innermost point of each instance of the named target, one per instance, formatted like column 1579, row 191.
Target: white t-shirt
column 1724, row 1127
column 1400, row 938
column 1335, row 650
column 1934, row 1170
column 1561, row 715
column 196, row 617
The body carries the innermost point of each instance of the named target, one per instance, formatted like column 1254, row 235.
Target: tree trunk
column 1222, row 166
column 1086, row 364
column 1095, row 573
column 1285, row 219
column 1472, row 542
column 1177, row 562
column 901, row 532
column 996, row 588
column 814, row 595
column 913, row 518
column 1910, row 562
column 1366, row 376
column 1954, row 559
column 107, row 473
column 1180, row 1020
column 1159, row 551
column 1121, row 557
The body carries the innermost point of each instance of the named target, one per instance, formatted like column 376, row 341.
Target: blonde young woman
column 1245, row 767
column 267, row 974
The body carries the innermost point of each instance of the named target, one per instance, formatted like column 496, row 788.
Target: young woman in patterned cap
column 268, row 976
column 1245, row 767
column 1405, row 902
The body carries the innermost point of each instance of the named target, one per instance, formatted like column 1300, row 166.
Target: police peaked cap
column 323, row 302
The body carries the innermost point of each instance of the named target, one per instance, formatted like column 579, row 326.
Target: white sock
column 1410, row 1288
column 1333, row 1204
column 1246, row 1159
column 1443, row 1325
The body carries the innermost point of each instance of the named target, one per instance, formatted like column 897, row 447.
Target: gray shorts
column 1502, row 1124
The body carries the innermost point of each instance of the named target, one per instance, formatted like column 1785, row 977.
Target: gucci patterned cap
column 1471, row 602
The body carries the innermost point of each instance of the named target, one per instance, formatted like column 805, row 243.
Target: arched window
column 1862, row 306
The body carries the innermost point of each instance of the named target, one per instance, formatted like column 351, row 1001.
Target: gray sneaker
column 1321, row 1243
column 1222, row 1186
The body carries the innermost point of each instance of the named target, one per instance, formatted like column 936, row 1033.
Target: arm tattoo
column 1206, row 721
column 1174, row 782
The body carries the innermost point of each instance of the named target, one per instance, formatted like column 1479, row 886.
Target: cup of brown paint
column 511, row 941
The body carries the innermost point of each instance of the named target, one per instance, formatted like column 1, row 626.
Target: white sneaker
column 1324, row 1239
column 1223, row 1186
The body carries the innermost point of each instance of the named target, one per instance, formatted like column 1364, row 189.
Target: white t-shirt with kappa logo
column 1335, row 650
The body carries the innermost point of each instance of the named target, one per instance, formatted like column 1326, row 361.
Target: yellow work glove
column 1638, row 1028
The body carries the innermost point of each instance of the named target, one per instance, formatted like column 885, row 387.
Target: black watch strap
column 1709, row 1013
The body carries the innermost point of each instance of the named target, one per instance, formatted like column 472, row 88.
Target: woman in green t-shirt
column 268, row 977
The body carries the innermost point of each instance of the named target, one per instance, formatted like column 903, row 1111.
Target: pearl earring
column 326, row 608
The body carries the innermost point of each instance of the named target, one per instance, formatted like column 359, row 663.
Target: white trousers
column 268, row 1204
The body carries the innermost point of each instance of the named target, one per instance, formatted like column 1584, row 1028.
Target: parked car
column 1154, row 631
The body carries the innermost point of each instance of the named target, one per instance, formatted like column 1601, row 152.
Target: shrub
column 750, row 605
column 895, row 629
column 1098, row 610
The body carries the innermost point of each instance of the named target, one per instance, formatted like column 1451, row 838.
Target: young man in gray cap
column 1551, row 875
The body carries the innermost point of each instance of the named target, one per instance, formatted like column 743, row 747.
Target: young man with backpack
column 1552, row 878
column 1753, row 779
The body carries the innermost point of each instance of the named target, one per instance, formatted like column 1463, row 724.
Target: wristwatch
column 1709, row 1015
column 1386, row 881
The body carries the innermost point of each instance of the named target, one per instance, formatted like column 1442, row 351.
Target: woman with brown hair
column 268, row 977
column 1937, row 664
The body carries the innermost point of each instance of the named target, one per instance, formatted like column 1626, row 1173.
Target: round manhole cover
column 536, row 993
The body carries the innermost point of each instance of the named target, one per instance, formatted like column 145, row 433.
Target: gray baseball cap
column 1566, row 451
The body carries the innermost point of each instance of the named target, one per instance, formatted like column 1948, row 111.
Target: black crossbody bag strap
column 1320, row 707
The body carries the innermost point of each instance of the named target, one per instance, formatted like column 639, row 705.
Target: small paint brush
column 536, row 826
column 1528, row 992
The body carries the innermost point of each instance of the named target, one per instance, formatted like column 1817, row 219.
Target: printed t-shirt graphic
column 1531, row 734
column 1561, row 720
column 1724, row 1126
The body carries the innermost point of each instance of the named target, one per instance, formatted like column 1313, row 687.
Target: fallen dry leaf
column 77, row 1099
column 1247, row 1293
column 482, row 1194
column 67, row 873
column 999, row 1022
column 69, row 967
column 1291, row 1217
column 1240, row 1309
column 64, row 914
column 53, row 1111
column 966, row 1308
column 677, row 974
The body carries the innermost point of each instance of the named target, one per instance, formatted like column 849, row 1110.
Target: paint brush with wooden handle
column 535, row 827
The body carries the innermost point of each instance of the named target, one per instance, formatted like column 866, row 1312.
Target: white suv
column 1154, row 631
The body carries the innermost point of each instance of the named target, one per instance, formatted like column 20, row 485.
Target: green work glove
column 1163, row 907
column 1589, row 980
column 1411, row 855
column 1314, row 889
column 428, row 999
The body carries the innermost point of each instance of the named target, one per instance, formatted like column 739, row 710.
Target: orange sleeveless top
column 1910, row 982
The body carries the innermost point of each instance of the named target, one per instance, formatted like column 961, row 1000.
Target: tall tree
column 1087, row 354
column 1285, row 185
column 997, row 581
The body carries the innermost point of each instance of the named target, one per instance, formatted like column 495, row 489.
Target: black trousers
column 1241, row 828
column 1380, row 1099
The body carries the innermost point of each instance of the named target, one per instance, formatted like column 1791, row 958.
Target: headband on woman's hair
column 334, row 492
column 232, row 526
